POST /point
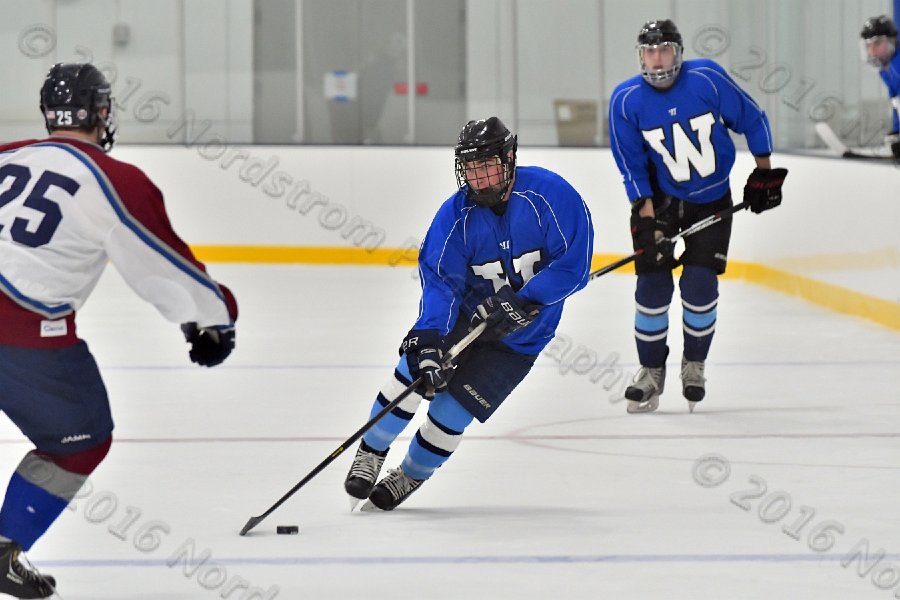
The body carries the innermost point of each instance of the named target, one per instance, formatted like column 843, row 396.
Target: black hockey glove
column 504, row 313
column 424, row 350
column 647, row 234
column 209, row 345
column 763, row 189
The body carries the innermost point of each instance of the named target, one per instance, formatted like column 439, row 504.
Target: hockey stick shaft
column 454, row 351
column 701, row 224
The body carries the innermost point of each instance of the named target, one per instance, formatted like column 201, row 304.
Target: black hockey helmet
column 878, row 41
column 483, row 140
column 72, row 97
column 882, row 25
column 658, row 32
column 662, row 32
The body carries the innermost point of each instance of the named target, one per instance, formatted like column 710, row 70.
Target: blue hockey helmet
column 481, row 142
column 73, row 96
column 660, row 34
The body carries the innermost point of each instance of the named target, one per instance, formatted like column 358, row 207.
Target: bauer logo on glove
column 504, row 313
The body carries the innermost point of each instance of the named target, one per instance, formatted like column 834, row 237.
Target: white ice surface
column 560, row 495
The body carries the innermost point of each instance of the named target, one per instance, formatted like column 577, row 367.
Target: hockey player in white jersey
column 66, row 209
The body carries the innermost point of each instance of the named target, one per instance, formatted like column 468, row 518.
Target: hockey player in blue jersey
column 669, row 136
column 507, row 248
column 879, row 48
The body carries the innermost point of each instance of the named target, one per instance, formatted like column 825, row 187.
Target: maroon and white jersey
column 66, row 209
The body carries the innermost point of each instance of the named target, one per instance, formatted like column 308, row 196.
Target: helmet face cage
column 481, row 146
column 72, row 98
column 655, row 35
column 660, row 77
column 878, row 50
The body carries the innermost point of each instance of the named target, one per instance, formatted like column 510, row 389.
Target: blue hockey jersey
column 891, row 77
column 541, row 246
column 682, row 130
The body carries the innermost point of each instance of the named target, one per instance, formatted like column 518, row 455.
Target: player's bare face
column 485, row 175
column 658, row 58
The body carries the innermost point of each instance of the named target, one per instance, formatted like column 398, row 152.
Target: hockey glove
column 647, row 235
column 504, row 313
column 424, row 350
column 209, row 345
column 763, row 189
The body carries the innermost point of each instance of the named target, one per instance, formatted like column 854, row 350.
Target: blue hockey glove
column 504, row 313
column 763, row 189
column 424, row 350
column 209, row 345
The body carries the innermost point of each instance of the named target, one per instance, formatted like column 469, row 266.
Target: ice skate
column 692, row 381
column 363, row 473
column 19, row 581
column 644, row 392
column 392, row 490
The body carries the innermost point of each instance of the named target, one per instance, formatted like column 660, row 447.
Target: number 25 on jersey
column 27, row 228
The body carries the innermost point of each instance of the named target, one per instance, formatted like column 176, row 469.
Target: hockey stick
column 827, row 135
column 448, row 361
column 701, row 224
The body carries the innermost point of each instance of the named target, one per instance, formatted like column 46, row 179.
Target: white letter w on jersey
column 686, row 154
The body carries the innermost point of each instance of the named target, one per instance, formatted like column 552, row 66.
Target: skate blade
column 692, row 406
column 353, row 502
column 369, row 507
column 637, row 406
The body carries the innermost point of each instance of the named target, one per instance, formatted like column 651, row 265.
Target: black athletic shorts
column 706, row 248
column 486, row 373
column 55, row 396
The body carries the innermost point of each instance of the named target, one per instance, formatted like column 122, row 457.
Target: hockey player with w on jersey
column 669, row 136
column 878, row 44
column 66, row 209
column 507, row 248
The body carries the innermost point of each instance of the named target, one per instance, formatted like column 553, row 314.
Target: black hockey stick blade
column 881, row 158
column 253, row 522
column 452, row 353
column 701, row 224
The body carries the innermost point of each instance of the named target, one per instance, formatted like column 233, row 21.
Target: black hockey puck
column 287, row 529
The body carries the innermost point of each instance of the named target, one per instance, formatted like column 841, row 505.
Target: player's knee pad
column 700, row 298
column 449, row 413
column 57, row 477
column 654, row 290
column 396, row 385
column 82, row 462
column 699, row 285
column 386, row 430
